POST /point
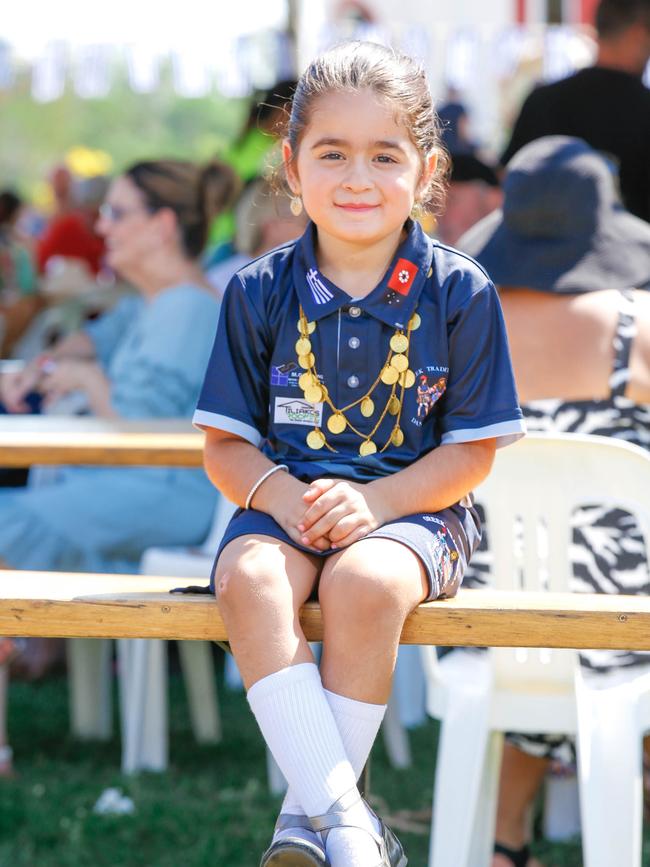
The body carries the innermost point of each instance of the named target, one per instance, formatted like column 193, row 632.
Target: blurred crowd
column 108, row 307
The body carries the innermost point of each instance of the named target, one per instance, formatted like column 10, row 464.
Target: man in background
column 607, row 104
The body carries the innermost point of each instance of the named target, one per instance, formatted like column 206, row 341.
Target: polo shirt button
column 353, row 381
column 355, row 311
column 354, row 343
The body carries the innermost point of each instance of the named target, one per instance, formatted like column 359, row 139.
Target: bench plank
column 72, row 605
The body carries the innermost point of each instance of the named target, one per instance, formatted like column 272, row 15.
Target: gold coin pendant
column 400, row 362
column 407, row 379
column 315, row 439
column 367, row 448
column 415, row 321
column 394, row 405
column 397, row 437
column 389, row 375
column 303, row 346
column 305, row 380
column 336, row 423
column 305, row 327
column 306, row 361
column 314, row 394
column 399, row 343
column 367, row 407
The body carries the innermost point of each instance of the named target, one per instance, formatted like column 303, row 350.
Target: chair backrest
column 529, row 499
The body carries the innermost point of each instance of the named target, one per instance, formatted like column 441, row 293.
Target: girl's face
column 357, row 170
column 130, row 230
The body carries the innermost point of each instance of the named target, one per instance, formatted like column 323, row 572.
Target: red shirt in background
column 69, row 235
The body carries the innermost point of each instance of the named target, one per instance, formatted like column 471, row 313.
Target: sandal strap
column 337, row 817
column 286, row 821
column 519, row 857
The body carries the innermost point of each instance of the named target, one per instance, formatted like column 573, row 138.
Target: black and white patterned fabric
column 608, row 553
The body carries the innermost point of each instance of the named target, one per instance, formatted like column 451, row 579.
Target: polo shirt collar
column 392, row 301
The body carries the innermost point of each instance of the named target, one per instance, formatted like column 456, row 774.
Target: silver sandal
column 293, row 851
column 391, row 852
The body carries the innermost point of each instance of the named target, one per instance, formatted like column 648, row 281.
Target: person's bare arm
column 77, row 345
column 234, row 465
column 15, row 386
column 346, row 511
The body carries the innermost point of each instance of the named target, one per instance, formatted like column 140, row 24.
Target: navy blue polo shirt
column 463, row 388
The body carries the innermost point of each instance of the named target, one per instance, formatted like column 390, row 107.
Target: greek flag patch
column 319, row 290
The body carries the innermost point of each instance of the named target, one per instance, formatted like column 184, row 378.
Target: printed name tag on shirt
column 295, row 411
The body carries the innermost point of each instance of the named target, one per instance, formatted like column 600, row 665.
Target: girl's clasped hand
column 340, row 512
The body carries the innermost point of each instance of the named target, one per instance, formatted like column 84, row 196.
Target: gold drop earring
column 295, row 206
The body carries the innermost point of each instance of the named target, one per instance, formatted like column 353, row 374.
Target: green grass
column 211, row 809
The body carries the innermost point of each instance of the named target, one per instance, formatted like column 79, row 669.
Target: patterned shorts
column 437, row 538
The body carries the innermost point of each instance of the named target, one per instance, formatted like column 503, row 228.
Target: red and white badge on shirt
column 403, row 276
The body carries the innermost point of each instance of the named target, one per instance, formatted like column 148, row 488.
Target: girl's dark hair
column 9, row 206
column 196, row 194
column 394, row 77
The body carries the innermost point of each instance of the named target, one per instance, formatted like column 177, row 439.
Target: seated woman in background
column 571, row 266
column 19, row 301
column 143, row 360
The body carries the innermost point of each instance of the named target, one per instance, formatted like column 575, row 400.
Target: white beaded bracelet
column 253, row 490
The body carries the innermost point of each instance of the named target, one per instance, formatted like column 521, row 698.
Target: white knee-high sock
column 297, row 724
column 358, row 723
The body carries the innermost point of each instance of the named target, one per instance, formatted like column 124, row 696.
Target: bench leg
column 90, row 687
column 200, row 685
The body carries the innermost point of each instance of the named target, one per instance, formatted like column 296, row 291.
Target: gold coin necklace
column 395, row 372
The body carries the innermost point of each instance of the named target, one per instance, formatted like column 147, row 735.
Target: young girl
column 313, row 429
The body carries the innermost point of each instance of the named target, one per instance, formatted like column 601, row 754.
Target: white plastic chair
column 531, row 493
column 142, row 665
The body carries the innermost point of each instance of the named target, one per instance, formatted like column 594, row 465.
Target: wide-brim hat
column 562, row 227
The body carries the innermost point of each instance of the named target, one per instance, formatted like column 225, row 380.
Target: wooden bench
column 77, row 605
column 129, row 606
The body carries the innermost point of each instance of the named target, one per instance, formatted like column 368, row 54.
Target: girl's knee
column 358, row 589
column 247, row 583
